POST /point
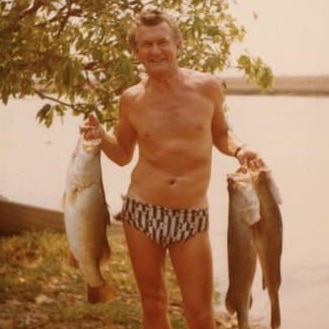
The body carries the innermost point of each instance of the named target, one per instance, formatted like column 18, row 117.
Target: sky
column 292, row 36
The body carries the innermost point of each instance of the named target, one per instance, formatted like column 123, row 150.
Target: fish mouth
column 91, row 145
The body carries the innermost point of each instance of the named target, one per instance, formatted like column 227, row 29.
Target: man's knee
column 200, row 318
column 155, row 304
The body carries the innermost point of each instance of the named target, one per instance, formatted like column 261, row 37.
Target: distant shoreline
column 282, row 85
column 308, row 85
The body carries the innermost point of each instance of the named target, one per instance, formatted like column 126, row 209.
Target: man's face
column 156, row 48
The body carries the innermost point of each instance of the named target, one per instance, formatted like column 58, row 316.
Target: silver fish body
column 243, row 213
column 86, row 217
column 268, row 239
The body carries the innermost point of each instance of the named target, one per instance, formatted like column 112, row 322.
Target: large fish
column 243, row 213
column 268, row 239
column 86, row 218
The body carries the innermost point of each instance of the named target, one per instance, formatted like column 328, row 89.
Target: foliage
column 74, row 54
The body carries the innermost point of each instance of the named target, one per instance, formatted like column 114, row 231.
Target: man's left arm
column 223, row 137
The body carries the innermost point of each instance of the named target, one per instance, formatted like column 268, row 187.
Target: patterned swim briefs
column 164, row 225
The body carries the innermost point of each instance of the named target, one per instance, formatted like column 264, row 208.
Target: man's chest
column 186, row 115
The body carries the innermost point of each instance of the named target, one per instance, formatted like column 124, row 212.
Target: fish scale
column 254, row 230
column 243, row 210
column 268, row 239
column 86, row 217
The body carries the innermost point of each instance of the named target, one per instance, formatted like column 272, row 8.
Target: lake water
column 290, row 132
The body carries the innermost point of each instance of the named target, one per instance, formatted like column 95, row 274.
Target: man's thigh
column 147, row 258
column 192, row 261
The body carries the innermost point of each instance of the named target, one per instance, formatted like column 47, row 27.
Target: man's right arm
column 118, row 147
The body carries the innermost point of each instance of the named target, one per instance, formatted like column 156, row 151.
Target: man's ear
column 179, row 45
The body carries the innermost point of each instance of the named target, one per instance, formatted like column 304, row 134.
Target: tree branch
column 42, row 95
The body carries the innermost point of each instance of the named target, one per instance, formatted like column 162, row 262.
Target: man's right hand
column 91, row 128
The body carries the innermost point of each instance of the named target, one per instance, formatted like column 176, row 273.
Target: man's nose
column 155, row 49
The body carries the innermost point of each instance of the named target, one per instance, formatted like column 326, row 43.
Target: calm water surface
column 290, row 132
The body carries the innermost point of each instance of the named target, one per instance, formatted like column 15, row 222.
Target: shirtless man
column 175, row 116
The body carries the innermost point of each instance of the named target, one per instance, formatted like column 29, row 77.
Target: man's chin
column 158, row 68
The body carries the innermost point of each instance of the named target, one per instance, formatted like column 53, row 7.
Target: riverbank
column 282, row 85
column 17, row 218
column 39, row 290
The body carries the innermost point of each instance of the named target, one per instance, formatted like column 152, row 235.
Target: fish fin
column 229, row 304
column 73, row 261
column 69, row 197
column 63, row 200
column 273, row 187
column 101, row 294
column 275, row 312
column 250, row 301
column 263, row 283
column 106, row 253
column 109, row 220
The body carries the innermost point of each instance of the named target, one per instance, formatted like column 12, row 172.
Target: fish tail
column 229, row 302
column 234, row 306
column 101, row 294
column 275, row 312
column 106, row 253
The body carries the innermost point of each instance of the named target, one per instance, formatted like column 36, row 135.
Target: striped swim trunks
column 164, row 225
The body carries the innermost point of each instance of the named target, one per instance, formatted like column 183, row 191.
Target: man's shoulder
column 130, row 96
column 205, row 81
column 134, row 91
column 201, row 78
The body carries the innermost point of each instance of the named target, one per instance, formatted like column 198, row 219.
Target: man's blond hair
column 151, row 17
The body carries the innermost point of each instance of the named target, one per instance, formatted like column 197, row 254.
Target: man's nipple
column 172, row 181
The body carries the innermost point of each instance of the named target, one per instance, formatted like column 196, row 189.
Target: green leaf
column 74, row 51
column 45, row 115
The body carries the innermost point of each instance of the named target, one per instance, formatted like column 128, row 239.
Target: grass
column 38, row 289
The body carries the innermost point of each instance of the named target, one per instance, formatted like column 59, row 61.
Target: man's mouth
column 157, row 61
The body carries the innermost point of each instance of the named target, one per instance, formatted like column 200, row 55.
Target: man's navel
column 172, row 182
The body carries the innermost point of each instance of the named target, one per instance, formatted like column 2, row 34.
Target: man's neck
column 165, row 82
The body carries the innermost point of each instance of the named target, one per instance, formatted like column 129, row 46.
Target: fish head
column 238, row 182
column 87, row 150
column 243, row 201
column 84, row 166
column 265, row 184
